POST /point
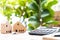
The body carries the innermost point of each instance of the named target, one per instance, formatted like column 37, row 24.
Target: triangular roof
column 18, row 23
column 6, row 23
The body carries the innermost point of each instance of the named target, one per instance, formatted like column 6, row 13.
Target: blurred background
column 31, row 13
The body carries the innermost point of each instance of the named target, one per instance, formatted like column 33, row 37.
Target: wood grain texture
column 56, row 18
column 6, row 28
column 18, row 27
column 47, row 38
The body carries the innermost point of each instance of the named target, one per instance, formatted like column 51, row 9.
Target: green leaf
column 52, row 22
column 49, row 4
column 45, row 13
column 48, row 14
column 33, row 24
column 32, row 18
column 47, row 18
column 34, row 7
column 30, row 27
column 22, row 2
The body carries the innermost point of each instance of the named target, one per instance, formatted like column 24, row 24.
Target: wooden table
column 51, row 37
column 26, row 36
column 21, row 36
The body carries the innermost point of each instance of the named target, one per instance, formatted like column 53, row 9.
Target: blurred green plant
column 32, row 9
column 17, row 7
column 44, row 13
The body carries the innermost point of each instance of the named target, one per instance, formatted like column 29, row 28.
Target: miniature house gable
column 57, row 16
column 18, row 27
column 6, row 28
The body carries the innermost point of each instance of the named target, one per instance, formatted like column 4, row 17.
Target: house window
column 10, row 31
column 6, row 25
column 16, row 30
column 58, row 25
column 18, row 24
column 6, row 31
column 21, row 30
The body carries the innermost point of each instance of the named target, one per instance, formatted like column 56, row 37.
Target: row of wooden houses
column 18, row 27
column 7, row 28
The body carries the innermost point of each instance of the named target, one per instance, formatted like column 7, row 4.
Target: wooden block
column 6, row 28
column 19, row 28
column 47, row 38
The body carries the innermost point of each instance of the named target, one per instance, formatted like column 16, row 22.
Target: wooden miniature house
column 19, row 28
column 6, row 28
column 57, row 18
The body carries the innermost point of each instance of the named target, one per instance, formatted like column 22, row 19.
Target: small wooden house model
column 19, row 28
column 6, row 28
column 56, row 18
